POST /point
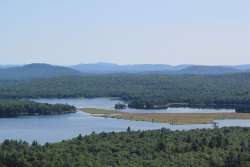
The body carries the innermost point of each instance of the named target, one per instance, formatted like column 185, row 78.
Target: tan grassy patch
column 175, row 118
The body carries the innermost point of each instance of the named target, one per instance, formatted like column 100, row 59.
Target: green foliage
column 206, row 148
column 142, row 90
column 13, row 108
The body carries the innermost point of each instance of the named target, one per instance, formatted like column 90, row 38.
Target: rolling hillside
column 107, row 68
column 40, row 71
column 208, row 70
column 36, row 71
column 133, row 68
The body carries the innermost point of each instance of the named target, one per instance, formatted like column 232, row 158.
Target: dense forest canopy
column 138, row 89
column 13, row 108
column 207, row 148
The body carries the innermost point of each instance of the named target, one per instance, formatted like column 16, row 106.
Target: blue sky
column 125, row 31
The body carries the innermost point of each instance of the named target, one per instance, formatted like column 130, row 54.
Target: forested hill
column 15, row 108
column 138, row 89
column 36, row 71
column 207, row 70
column 226, row 147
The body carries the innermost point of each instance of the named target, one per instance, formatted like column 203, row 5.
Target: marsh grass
column 173, row 118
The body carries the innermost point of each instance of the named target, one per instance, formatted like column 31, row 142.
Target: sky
column 209, row 32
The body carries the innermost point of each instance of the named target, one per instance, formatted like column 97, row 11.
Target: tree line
column 205, row 147
column 138, row 89
column 13, row 108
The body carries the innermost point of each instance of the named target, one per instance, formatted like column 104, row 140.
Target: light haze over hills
column 163, row 68
column 40, row 71
column 35, row 71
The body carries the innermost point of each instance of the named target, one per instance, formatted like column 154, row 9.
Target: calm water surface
column 61, row 127
column 108, row 103
column 57, row 128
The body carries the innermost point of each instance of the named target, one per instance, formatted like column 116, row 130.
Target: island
column 120, row 106
column 15, row 108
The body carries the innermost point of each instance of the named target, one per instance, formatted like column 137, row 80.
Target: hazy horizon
column 68, row 65
column 125, row 32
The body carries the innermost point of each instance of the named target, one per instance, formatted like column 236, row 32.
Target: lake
column 56, row 128
column 109, row 103
column 61, row 127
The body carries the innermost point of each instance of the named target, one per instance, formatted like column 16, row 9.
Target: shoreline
column 38, row 114
column 172, row 118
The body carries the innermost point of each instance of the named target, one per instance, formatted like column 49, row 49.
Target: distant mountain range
column 160, row 68
column 207, row 70
column 40, row 71
column 115, row 68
